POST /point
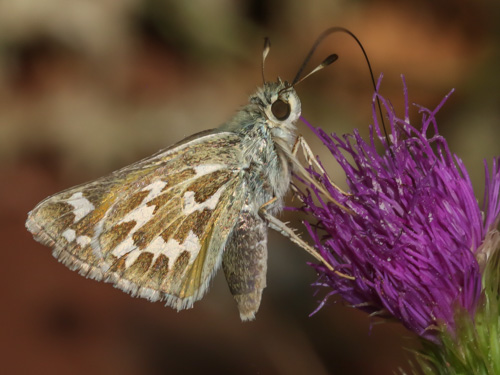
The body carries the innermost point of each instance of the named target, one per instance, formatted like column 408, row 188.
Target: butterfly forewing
column 155, row 229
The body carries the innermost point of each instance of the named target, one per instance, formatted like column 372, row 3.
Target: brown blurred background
column 87, row 87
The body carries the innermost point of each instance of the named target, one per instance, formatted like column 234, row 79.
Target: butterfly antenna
column 265, row 52
column 330, row 59
column 322, row 36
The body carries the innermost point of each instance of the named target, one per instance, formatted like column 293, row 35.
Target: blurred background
column 87, row 87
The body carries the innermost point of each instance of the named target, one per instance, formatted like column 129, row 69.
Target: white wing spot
column 131, row 257
column 81, row 206
column 124, row 247
column 192, row 245
column 154, row 190
column 190, row 204
column 83, row 241
column 141, row 215
column 204, row 169
column 69, row 234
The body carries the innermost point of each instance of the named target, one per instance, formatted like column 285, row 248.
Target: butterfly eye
column 280, row 109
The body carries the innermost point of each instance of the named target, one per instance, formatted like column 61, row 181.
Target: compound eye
column 280, row 109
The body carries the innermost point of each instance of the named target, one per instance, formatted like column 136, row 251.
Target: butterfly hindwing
column 155, row 229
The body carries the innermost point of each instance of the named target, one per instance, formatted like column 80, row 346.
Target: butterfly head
column 279, row 103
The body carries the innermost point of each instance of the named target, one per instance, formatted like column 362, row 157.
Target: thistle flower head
column 414, row 233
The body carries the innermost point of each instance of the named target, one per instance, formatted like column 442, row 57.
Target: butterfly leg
column 311, row 160
column 301, row 143
column 245, row 263
column 288, row 232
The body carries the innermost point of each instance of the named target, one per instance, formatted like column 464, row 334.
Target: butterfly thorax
column 267, row 139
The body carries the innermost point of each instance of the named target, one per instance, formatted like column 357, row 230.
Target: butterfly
column 162, row 227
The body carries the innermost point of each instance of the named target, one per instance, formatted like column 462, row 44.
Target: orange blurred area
column 88, row 87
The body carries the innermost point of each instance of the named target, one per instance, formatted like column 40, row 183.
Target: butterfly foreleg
column 312, row 161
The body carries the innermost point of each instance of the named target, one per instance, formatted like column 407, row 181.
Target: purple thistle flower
column 415, row 231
